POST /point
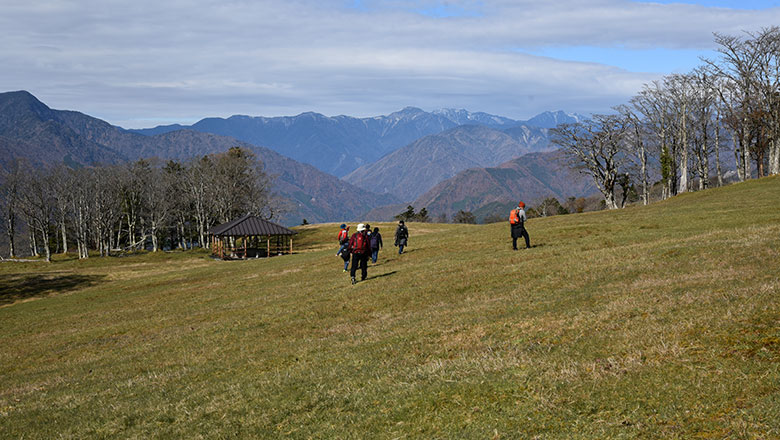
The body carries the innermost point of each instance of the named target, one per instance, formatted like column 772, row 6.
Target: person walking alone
column 401, row 236
column 376, row 244
column 517, row 220
column 360, row 248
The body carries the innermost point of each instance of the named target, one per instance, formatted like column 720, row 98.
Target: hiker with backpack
column 343, row 245
column 360, row 248
column 401, row 236
column 376, row 244
column 343, row 238
column 517, row 220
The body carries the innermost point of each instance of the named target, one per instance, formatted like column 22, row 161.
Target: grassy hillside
column 651, row 322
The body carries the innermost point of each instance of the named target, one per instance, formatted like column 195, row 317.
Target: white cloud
column 133, row 62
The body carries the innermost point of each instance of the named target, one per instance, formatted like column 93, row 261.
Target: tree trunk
column 738, row 158
column 717, row 150
column 183, row 236
column 684, row 154
column 45, row 238
column 645, row 186
column 119, row 234
column 10, row 232
column 154, row 236
column 774, row 156
column 64, row 233
column 33, row 242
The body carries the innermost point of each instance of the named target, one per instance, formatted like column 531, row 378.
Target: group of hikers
column 365, row 244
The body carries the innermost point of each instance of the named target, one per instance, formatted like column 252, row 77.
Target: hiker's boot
column 354, row 281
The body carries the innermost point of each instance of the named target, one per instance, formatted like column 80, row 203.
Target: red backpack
column 343, row 236
column 359, row 243
column 514, row 217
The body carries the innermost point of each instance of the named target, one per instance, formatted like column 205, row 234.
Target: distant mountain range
column 414, row 169
column 339, row 145
column 444, row 160
column 43, row 136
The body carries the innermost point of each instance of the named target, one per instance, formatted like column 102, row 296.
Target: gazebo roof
column 249, row 225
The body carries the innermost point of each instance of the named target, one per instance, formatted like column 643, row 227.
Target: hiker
column 360, row 248
column 345, row 256
column 517, row 220
column 401, row 236
column 376, row 244
column 343, row 239
column 343, row 245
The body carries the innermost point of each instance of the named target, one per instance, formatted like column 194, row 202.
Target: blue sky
column 190, row 59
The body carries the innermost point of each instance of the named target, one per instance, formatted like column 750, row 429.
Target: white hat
column 361, row 227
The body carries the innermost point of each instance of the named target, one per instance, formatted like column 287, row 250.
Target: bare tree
column 179, row 201
column 738, row 67
column 597, row 146
column 131, row 184
column 155, row 201
column 705, row 129
column 766, row 44
column 61, row 179
column 81, row 189
column 197, row 177
column 464, row 217
column 38, row 206
column 550, row 206
column 636, row 137
column 653, row 104
column 680, row 92
column 105, row 206
column 9, row 201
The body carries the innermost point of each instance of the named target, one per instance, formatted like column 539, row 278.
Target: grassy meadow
column 649, row 322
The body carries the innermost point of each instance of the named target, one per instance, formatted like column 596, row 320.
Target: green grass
column 650, row 322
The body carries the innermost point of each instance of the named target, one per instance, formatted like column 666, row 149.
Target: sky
column 144, row 63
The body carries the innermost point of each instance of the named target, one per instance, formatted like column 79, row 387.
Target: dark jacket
column 401, row 235
column 376, row 241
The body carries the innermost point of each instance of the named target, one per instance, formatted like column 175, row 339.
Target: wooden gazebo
column 250, row 237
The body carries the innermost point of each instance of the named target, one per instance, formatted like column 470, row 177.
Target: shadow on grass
column 382, row 275
column 15, row 287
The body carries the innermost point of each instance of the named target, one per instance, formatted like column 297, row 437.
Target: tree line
column 676, row 130
column 145, row 204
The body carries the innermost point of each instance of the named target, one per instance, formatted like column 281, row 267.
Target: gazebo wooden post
column 291, row 249
column 245, row 247
column 268, row 247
